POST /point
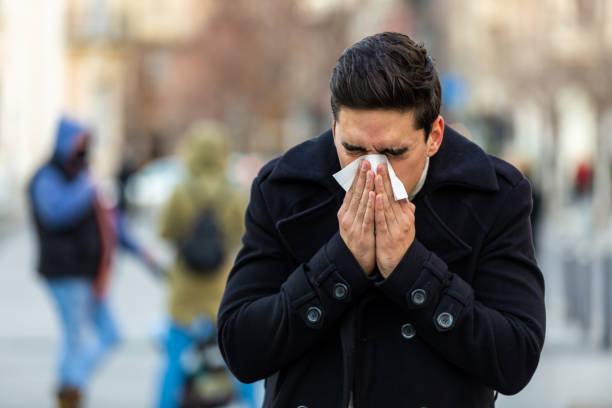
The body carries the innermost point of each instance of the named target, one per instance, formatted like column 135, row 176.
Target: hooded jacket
column 193, row 295
column 462, row 315
column 77, row 233
column 62, row 205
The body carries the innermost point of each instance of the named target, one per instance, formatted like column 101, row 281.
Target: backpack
column 202, row 248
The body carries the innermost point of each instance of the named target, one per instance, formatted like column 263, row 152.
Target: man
column 77, row 237
column 360, row 300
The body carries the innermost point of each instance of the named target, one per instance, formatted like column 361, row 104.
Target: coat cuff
column 321, row 289
column 347, row 268
column 335, row 271
column 418, row 279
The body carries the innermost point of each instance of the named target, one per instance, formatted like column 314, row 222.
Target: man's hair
column 387, row 71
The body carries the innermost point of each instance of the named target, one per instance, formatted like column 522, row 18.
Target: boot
column 69, row 397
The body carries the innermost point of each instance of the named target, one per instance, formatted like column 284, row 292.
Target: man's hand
column 356, row 218
column 394, row 224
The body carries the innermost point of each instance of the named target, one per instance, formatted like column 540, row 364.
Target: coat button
column 302, row 406
column 313, row 314
column 418, row 297
column 340, row 291
column 445, row 320
column 408, row 331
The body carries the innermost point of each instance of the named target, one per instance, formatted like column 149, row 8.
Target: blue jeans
column 88, row 329
column 178, row 340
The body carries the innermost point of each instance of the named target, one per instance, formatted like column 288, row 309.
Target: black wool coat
column 462, row 315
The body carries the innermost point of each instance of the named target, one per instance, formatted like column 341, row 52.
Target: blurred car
column 151, row 187
column 243, row 168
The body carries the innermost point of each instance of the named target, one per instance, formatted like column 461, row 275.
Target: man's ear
column 435, row 136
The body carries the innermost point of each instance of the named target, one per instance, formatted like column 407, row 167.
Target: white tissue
column 345, row 176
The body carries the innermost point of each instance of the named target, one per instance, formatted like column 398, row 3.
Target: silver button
column 313, row 314
column 445, row 320
column 408, row 331
column 302, row 406
column 340, row 291
column 418, row 296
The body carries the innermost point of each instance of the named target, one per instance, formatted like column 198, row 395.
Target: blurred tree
column 250, row 65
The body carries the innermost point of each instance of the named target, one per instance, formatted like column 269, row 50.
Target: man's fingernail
column 363, row 165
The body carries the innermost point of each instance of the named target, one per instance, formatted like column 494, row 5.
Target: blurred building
column 527, row 77
column 261, row 68
column 538, row 70
column 74, row 57
column 96, row 53
column 31, row 90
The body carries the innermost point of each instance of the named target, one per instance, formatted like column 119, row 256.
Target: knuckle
column 345, row 223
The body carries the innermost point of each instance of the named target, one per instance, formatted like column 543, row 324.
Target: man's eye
column 357, row 152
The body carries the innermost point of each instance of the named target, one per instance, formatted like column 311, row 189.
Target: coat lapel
column 308, row 230
column 436, row 235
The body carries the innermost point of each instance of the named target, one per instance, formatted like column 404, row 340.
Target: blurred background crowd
column 528, row 81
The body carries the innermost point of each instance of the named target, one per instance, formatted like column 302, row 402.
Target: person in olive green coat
column 195, row 297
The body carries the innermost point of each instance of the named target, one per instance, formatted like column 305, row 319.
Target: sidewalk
column 572, row 372
column 29, row 334
column 567, row 377
column 126, row 380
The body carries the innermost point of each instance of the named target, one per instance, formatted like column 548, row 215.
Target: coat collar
column 314, row 160
column 458, row 162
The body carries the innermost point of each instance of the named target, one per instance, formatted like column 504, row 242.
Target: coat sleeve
column 273, row 311
column 127, row 239
column 61, row 204
column 494, row 328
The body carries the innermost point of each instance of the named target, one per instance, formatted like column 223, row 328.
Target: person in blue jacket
column 77, row 236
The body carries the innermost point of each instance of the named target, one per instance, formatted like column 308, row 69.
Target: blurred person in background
column 578, row 227
column 204, row 202
column 77, row 236
column 579, row 248
column 357, row 298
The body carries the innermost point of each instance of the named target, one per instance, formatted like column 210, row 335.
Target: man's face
column 78, row 158
column 389, row 132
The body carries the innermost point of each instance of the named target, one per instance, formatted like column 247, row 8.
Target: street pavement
column 29, row 331
column 573, row 371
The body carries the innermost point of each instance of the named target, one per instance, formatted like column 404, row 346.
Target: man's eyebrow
column 353, row 148
column 393, row 151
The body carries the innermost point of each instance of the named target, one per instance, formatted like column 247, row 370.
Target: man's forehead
column 378, row 128
column 373, row 121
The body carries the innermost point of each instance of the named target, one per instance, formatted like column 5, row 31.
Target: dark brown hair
column 387, row 71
